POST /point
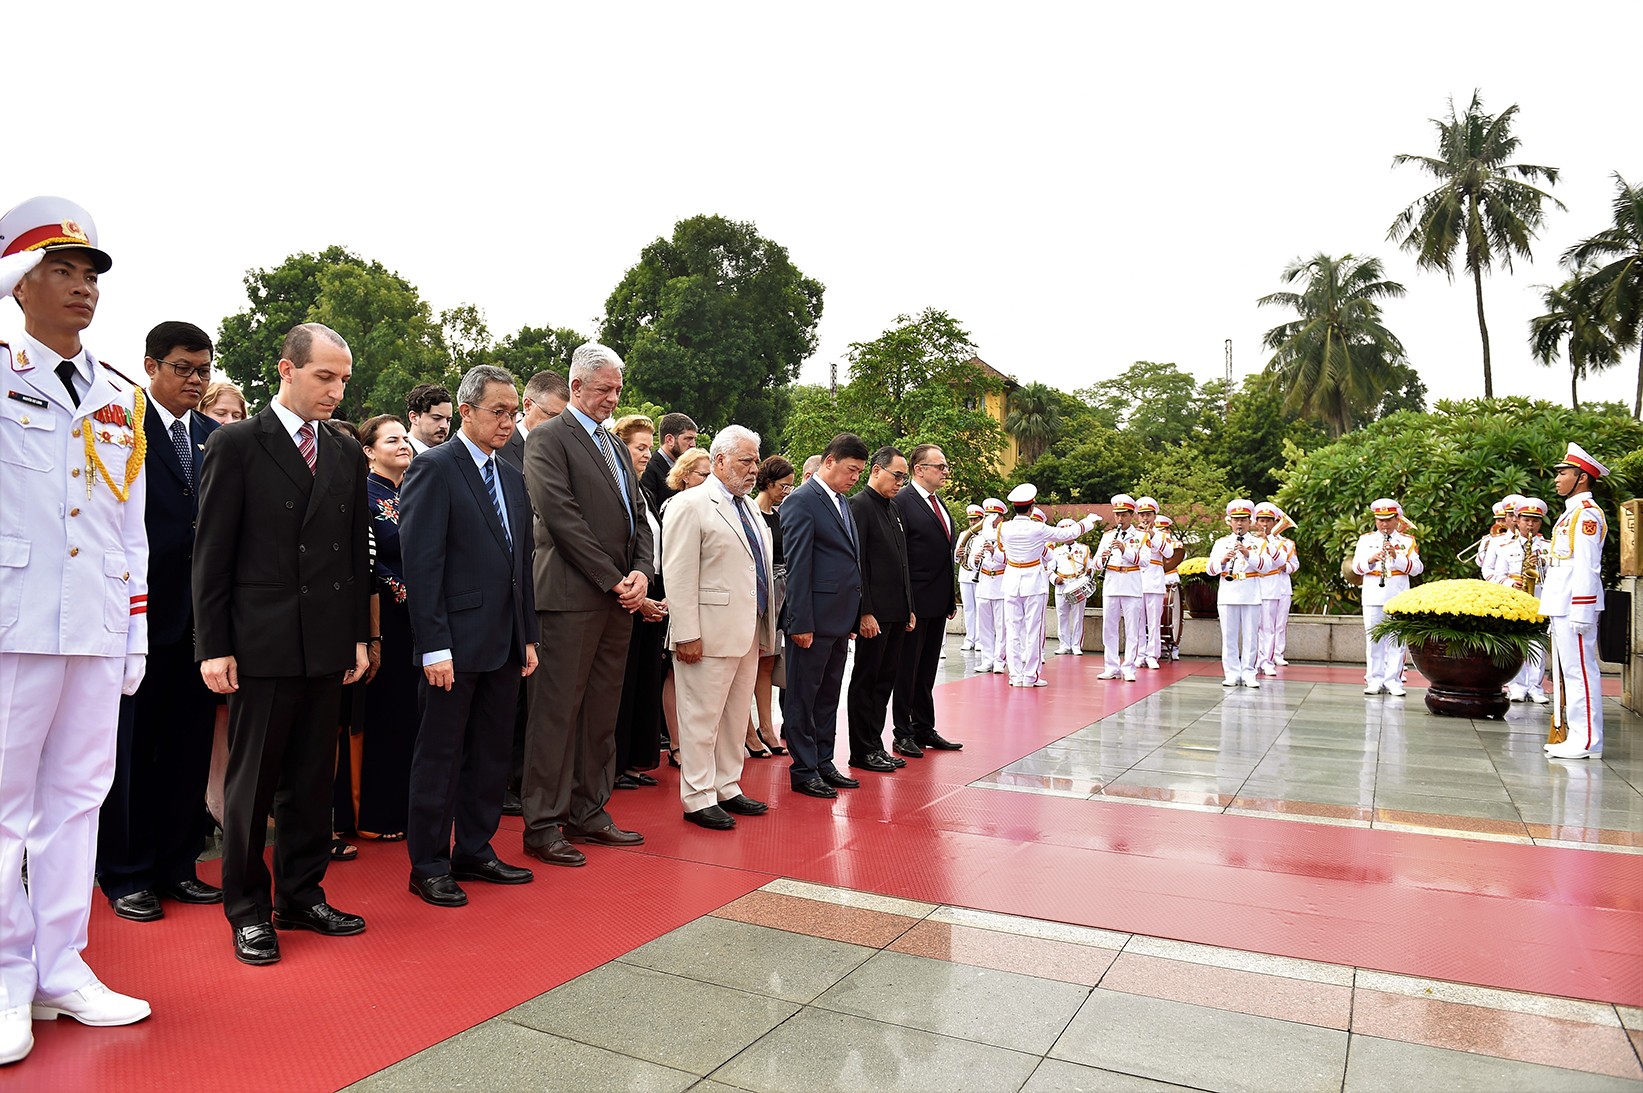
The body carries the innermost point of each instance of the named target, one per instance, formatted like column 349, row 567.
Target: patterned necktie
column 305, row 445
column 602, row 439
column 65, row 372
column 756, row 542
column 844, row 514
column 941, row 517
column 185, row 452
column 496, row 498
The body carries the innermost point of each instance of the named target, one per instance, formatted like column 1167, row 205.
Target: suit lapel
column 726, row 510
column 159, row 442
column 592, row 449
column 330, row 452
column 482, row 496
column 199, row 430
column 824, row 498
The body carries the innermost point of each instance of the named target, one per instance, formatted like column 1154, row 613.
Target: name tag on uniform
column 32, row 400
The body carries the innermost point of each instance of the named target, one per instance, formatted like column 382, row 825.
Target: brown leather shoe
column 558, row 852
column 609, row 835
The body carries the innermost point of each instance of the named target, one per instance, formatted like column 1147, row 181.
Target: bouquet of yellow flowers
column 1467, row 616
column 1194, row 569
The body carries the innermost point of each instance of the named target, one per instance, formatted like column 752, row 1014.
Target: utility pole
column 833, row 378
column 1226, row 405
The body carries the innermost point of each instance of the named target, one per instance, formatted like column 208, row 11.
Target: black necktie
column 65, row 372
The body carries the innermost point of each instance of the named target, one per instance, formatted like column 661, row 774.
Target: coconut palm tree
column 1483, row 207
column 1618, row 285
column 1333, row 362
column 1034, row 419
column 1573, row 316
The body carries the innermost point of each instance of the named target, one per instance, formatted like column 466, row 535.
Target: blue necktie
column 755, row 541
column 496, row 498
column 844, row 514
column 185, row 453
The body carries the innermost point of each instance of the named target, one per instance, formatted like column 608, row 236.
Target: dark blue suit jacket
column 173, row 508
column 823, row 569
column 466, row 590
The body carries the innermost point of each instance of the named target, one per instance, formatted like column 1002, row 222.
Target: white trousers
column 1530, row 678
column 1152, row 618
column 1239, row 624
column 1576, row 686
column 1069, row 622
column 1274, row 614
column 1024, row 623
column 967, row 596
column 714, row 695
column 1280, row 628
column 990, row 630
column 1385, row 657
column 1125, row 609
column 57, row 736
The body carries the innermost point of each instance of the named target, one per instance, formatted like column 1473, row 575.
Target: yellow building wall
column 995, row 406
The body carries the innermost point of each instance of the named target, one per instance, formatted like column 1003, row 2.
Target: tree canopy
column 1617, row 284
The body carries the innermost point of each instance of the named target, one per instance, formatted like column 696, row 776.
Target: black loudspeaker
column 1613, row 639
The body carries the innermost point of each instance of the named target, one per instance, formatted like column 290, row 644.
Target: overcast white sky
column 1081, row 185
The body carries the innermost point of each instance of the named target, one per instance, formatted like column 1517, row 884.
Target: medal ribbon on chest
column 115, row 414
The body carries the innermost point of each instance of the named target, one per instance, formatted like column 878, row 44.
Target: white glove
column 1584, row 629
column 136, row 665
column 14, row 268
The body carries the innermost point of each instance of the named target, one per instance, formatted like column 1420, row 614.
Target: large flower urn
column 1464, row 684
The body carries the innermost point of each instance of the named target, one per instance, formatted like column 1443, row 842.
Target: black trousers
column 914, row 707
column 282, row 747
column 459, row 769
column 872, row 681
column 810, row 705
column 152, row 826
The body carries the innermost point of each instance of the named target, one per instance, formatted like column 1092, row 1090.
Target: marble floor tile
column 1059, row 1076
column 750, row 958
column 1047, row 959
column 1311, row 1003
column 816, row 918
column 1379, row 1065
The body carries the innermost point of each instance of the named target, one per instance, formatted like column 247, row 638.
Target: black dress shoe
column 743, row 805
column 875, row 763
column 712, row 817
column 609, row 835
column 905, row 745
column 643, row 779
column 512, row 805
column 937, row 741
column 256, row 944
column 558, row 852
column 840, row 781
column 441, row 891
column 321, row 918
column 496, row 871
column 815, row 788
column 623, row 781
column 192, row 891
column 141, row 906
column 894, row 761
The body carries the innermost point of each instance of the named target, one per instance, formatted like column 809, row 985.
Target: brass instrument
column 1560, row 718
column 1529, row 579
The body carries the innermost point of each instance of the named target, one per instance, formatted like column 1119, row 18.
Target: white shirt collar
column 290, row 420
column 480, row 455
column 587, row 422
column 924, row 494
column 1574, row 500
column 45, row 356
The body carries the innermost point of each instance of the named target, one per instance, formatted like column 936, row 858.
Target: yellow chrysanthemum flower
column 1480, row 599
column 1194, row 567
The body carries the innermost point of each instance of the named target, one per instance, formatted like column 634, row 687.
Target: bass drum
column 1350, row 575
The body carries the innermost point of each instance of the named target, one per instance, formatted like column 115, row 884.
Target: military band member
column 1021, row 545
column 1506, row 566
column 1571, row 596
column 1238, row 559
column 968, row 575
column 1385, row 558
column 1153, row 553
column 1173, row 615
column 1070, row 566
column 1276, row 588
column 1118, row 557
column 990, row 592
column 73, row 614
column 1501, row 531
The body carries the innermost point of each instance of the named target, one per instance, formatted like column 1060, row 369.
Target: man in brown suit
column 593, row 567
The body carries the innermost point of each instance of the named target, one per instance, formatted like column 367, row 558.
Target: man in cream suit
column 717, row 558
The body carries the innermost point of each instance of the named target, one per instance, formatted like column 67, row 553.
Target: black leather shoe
column 512, row 805
column 815, row 788
column 609, row 835
column 875, row 763
column 496, row 871
column 321, row 918
column 256, row 944
column 894, row 761
column 904, row 745
column 743, row 805
column 441, row 891
column 839, row 781
column 558, row 852
column 937, row 741
column 624, row 781
column 141, row 906
column 192, row 891
column 712, row 817
column 643, row 778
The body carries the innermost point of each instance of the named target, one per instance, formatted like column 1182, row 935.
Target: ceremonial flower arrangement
column 1468, row 616
column 1194, row 568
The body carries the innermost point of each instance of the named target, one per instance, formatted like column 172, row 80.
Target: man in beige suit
column 716, row 554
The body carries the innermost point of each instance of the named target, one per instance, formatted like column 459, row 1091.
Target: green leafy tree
column 1618, row 283
column 1159, row 403
column 714, row 321
column 1484, row 208
column 816, row 417
column 1248, row 439
column 533, row 349
column 1573, row 319
column 1336, row 359
column 1089, row 467
column 466, row 336
column 1193, row 492
column 1406, row 391
column 1034, row 419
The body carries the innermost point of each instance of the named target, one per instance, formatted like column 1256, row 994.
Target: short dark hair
column 773, row 469
column 674, row 424
column 885, row 456
column 344, row 426
column 369, row 429
column 174, row 334
column 298, row 347
column 845, row 446
column 543, row 384
column 425, row 396
column 918, row 454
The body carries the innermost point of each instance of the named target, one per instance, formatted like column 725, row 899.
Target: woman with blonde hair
column 223, row 401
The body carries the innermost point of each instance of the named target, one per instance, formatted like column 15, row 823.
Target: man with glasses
column 930, row 536
column 886, row 610
column 150, row 834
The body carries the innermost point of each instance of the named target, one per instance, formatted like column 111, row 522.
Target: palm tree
column 1034, row 419
column 1483, row 205
column 1334, row 362
column 1572, row 316
column 1618, row 286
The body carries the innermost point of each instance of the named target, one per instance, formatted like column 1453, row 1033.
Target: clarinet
column 1229, row 575
column 1386, row 550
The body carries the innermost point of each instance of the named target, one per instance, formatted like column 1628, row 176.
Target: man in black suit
column 675, row 435
column 464, row 533
column 819, row 542
column 886, row 609
column 930, row 561
column 594, row 563
column 151, row 830
column 282, row 619
column 546, row 395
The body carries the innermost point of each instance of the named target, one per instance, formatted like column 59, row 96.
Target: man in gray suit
column 593, row 567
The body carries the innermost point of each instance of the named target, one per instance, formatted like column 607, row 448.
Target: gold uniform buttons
column 73, row 552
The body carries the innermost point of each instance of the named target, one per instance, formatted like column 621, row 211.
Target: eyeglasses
column 183, row 371
column 899, row 476
column 942, row 467
column 505, row 411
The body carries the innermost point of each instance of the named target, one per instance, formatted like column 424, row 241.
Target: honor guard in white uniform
column 1276, row 588
column 1571, row 596
column 1070, row 567
column 1239, row 559
column 73, row 603
column 1385, row 558
column 968, row 575
column 989, row 590
column 1022, row 542
column 1118, row 557
column 1519, row 563
column 1153, row 553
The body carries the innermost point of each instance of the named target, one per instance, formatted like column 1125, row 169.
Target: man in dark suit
column 675, row 435
column 282, row 619
column 930, row 562
column 819, row 542
column 151, row 832
column 464, row 533
column 546, row 394
column 593, row 567
column 886, row 609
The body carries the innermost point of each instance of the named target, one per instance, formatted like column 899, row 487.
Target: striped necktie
column 602, row 439
column 305, row 445
column 496, row 498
